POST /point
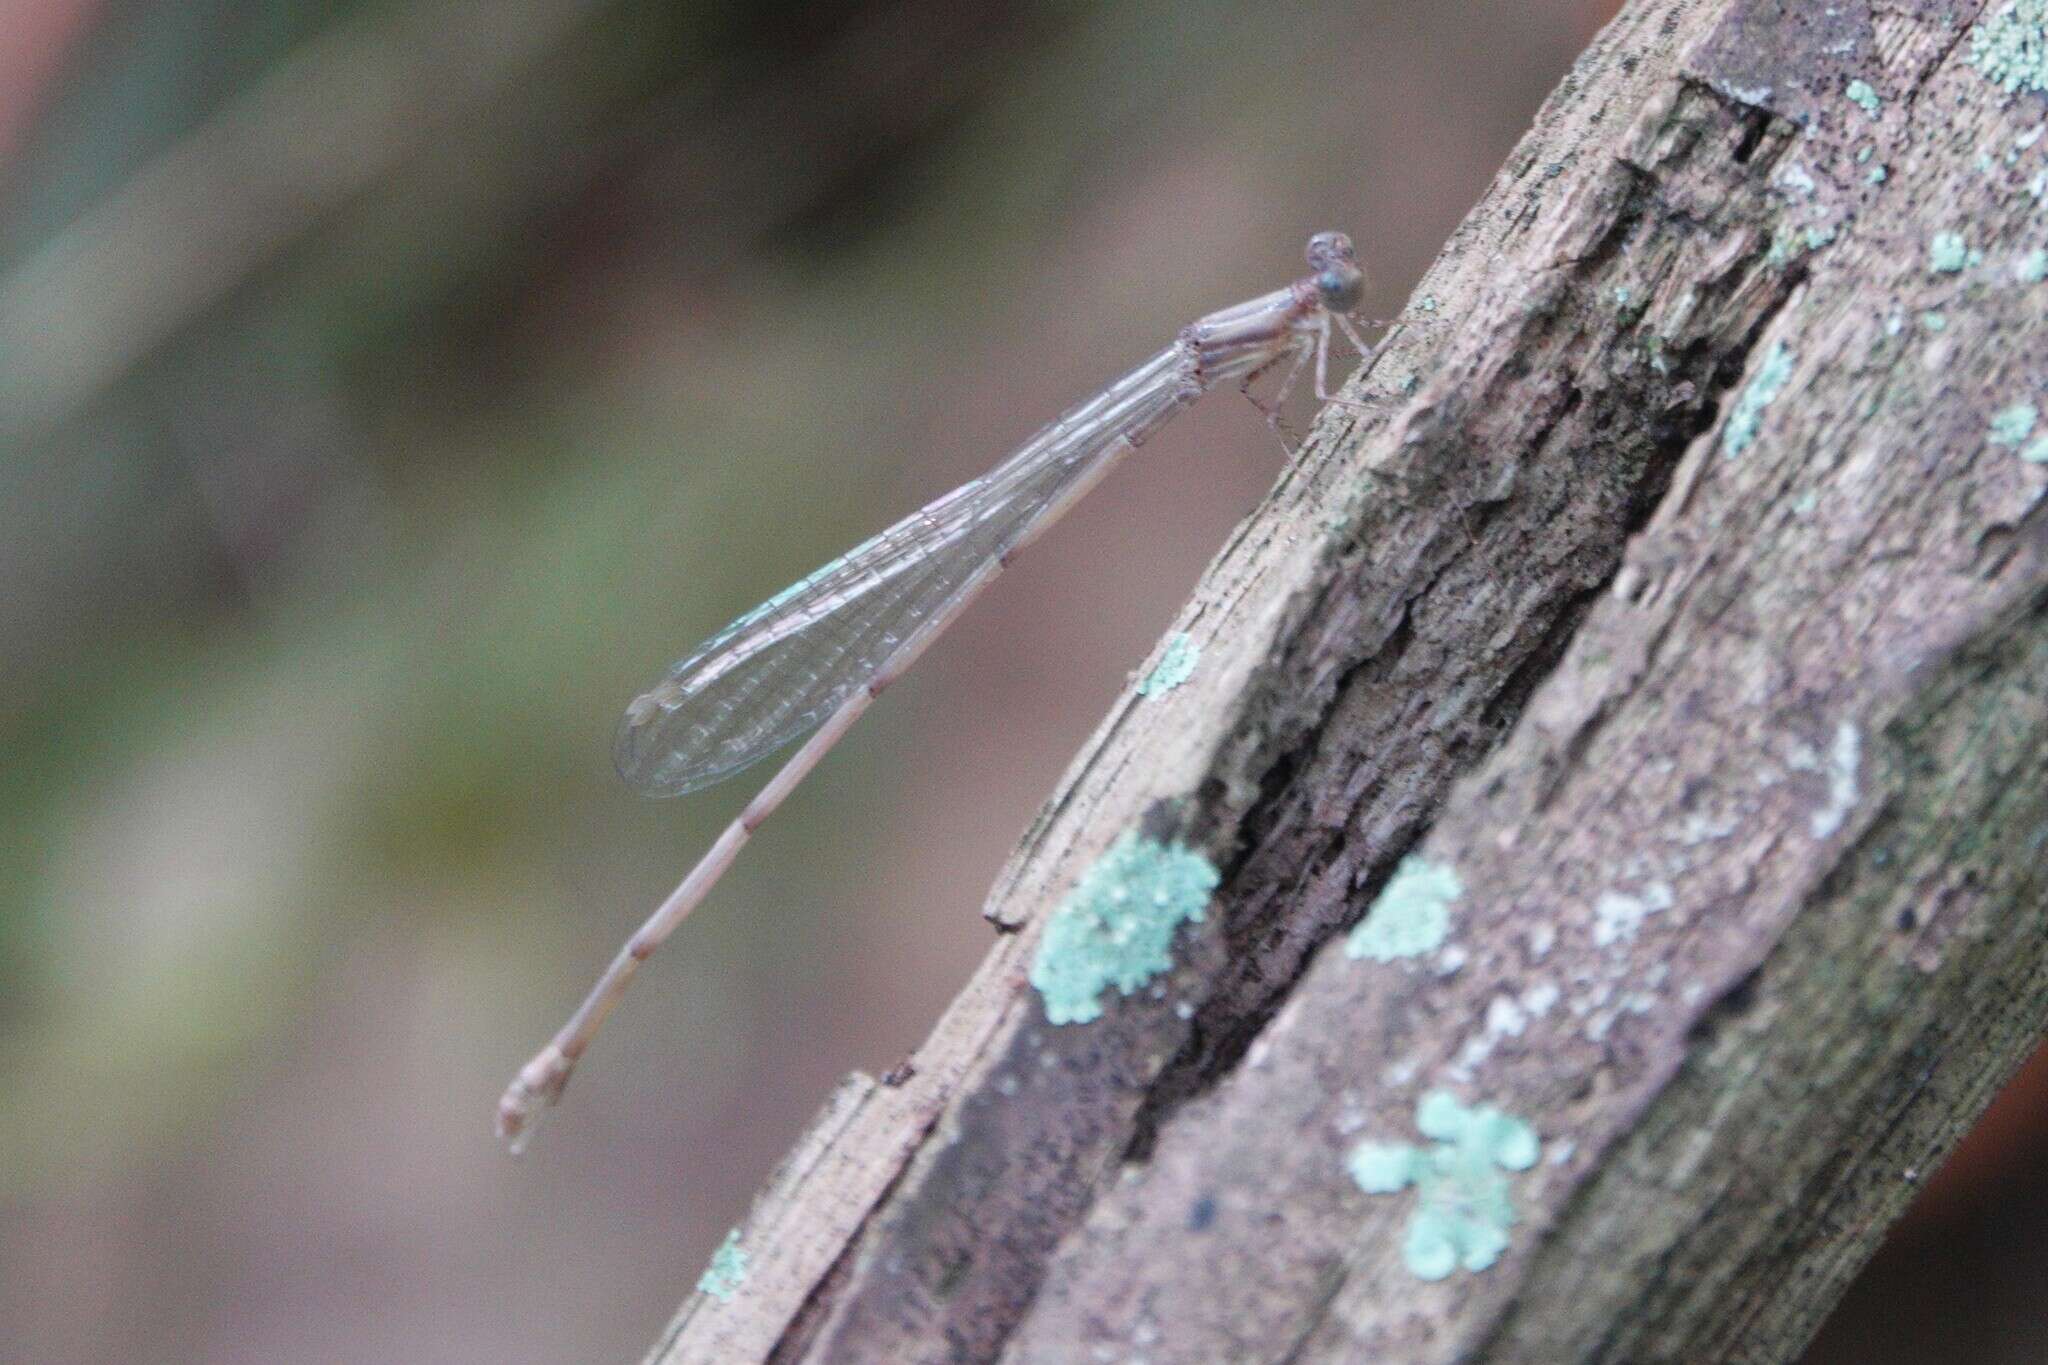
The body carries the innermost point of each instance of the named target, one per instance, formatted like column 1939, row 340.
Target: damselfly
column 811, row 658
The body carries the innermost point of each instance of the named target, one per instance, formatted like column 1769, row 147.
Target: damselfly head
column 1339, row 281
column 1330, row 248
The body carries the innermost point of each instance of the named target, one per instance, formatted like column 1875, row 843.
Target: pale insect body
column 812, row 657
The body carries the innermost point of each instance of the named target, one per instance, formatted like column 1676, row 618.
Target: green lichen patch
column 1764, row 386
column 1842, row 764
column 728, row 1269
column 2031, row 268
column 1412, row 916
column 2036, row 452
column 1115, row 929
column 1863, row 96
column 1464, row 1207
column 2010, row 47
column 1617, row 915
column 1947, row 253
column 1176, row 665
column 2012, row 426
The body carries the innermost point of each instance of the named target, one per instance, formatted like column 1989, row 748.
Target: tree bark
column 1680, row 612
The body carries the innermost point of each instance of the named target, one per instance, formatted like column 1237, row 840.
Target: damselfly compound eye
column 1341, row 288
column 1329, row 250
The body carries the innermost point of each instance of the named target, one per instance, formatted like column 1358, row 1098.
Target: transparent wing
column 778, row 671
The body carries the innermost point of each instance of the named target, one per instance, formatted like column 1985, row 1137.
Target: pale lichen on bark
column 1689, row 616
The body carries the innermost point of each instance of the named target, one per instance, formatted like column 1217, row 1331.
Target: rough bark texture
column 1686, row 598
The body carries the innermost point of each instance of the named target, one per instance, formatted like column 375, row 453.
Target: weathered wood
column 1708, row 549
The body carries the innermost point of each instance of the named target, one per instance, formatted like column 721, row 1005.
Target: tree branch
column 1708, row 551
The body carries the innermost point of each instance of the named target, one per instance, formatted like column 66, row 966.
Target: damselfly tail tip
column 537, row 1086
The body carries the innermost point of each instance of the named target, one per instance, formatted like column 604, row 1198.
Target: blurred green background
column 389, row 390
